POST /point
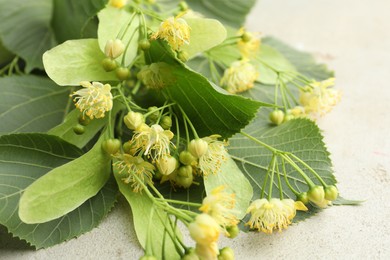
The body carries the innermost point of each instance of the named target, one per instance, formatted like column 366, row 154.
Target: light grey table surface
column 353, row 38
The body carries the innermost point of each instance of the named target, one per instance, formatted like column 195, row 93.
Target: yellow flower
column 318, row 98
column 211, row 161
column 267, row 216
column 139, row 171
column 93, row 99
column 207, row 252
column 220, row 205
column 156, row 75
column 249, row 44
column 118, row 3
column 152, row 141
column 239, row 77
column 204, row 230
column 175, row 31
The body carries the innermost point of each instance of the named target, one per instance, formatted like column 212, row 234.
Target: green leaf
column 235, row 182
column 205, row 34
column 141, row 207
column 71, row 17
column 229, row 12
column 25, row 29
column 25, row 158
column 301, row 137
column 341, row 201
column 211, row 109
column 65, row 188
column 75, row 61
column 269, row 60
column 5, row 55
column 30, row 104
column 113, row 23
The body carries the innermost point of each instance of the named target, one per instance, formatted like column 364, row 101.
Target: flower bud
column 331, row 193
column 109, row 64
column 288, row 118
column 184, row 171
column 166, row 122
column 84, row 120
column 276, row 117
column 114, row 48
column 111, row 146
column 190, row 255
column 127, row 147
column 233, row 231
column 204, row 230
column 184, row 177
column 133, row 120
column 183, row 6
column 122, row 73
column 198, row 147
column 303, row 197
column 226, row 253
column 183, row 56
column 186, row 158
column 316, row 194
column 246, row 37
column 153, row 116
column 166, row 164
column 78, row 129
column 144, row 44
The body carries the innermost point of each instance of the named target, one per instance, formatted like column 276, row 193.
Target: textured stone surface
column 353, row 38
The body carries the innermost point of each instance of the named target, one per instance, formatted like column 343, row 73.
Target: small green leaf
column 75, row 61
column 342, row 201
column 235, row 182
column 141, row 207
column 211, row 109
column 25, row 29
column 113, row 23
column 205, row 34
column 65, row 188
column 25, row 158
column 71, row 17
column 5, row 55
column 30, row 104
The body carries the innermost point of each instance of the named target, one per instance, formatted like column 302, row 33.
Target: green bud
column 127, row 147
column 184, row 177
column 226, row 253
column 233, row 231
column 158, row 175
column 184, row 171
column 144, row 44
column 130, row 83
column 331, row 193
column 276, row 117
column 246, row 37
column 111, row 146
column 109, row 64
column 198, row 147
column 288, row 118
column 316, row 194
column 134, row 120
column 303, row 198
column 84, row 120
column 153, row 116
column 183, row 56
column 122, row 73
column 190, row 255
column 186, row 158
column 166, row 122
column 151, row 1
column 183, row 6
column 78, row 129
column 166, row 164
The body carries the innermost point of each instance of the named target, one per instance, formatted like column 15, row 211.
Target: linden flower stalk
column 239, row 77
column 273, row 214
column 319, row 98
column 175, row 31
column 93, row 99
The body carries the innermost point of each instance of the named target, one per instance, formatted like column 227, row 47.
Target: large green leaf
column 141, row 207
column 231, row 177
column 23, row 159
column 301, row 137
column 25, row 29
column 71, row 17
column 5, row 55
column 113, row 22
column 30, row 104
column 75, row 61
column 66, row 187
column 211, row 109
column 205, row 34
column 229, row 12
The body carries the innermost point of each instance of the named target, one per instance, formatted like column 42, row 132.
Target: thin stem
column 273, row 150
column 299, row 170
column 285, row 177
column 189, row 122
column 279, row 181
column 271, row 183
column 192, row 204
column 266, row 177
column 124, row 98
column 148, row 242
column 311, row 170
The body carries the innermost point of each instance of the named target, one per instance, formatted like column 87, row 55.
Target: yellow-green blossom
column 138, row 171
column 274, row 214
column 204, row 230
column 239, row 77
column 318, row 98
column 156, row 75
column 153, row 141
column 207, row 252
column 175, row 31
column 220, row 205
column 93, row 99
column 249, row 44
column 211, row 161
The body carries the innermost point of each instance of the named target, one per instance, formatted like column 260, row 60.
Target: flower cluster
column 93, row 100
column 239, row 77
